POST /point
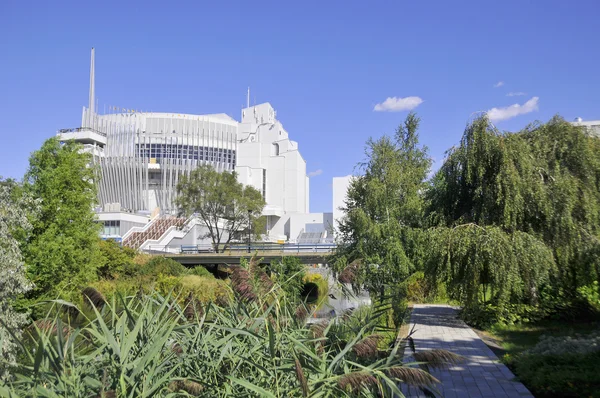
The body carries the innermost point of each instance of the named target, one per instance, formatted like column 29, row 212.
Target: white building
column 340, row 189
column 592, row 126
column 142, row 155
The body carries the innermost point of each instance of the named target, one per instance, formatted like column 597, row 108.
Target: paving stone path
column 481, row 375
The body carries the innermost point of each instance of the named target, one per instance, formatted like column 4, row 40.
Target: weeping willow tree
column 486, row 264
column 384, row 209
column 531, row 204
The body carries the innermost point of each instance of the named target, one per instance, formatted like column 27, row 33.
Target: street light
column 249, row 214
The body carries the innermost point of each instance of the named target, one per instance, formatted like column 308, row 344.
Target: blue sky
column 323, row 65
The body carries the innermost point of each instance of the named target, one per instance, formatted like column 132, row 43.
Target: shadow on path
column 480, row 375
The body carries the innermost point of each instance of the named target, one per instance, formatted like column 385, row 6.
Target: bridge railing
column 238, row 248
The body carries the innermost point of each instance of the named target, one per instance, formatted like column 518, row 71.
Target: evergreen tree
column 63, row 246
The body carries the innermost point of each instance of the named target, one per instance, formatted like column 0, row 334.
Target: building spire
column 248, row 99
column 92, row 102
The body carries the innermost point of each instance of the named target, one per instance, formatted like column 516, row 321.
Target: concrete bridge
column 205, row 254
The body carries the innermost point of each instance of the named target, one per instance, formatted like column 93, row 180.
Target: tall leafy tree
column 62, row 249
column 536, row 192
column 13, row 282
column 384, row 207
column 227, row 207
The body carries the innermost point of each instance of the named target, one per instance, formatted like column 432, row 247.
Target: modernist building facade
column 141, row 156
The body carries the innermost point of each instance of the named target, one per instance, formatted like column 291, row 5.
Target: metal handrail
column 237, row 248
column 78, row 129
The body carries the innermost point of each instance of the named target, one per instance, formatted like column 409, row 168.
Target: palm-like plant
column 150, row 345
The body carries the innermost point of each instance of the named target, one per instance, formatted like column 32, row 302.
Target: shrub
column 163, row 265
column 115, row 260
column 123, row 287
column 561, row 366
column 201, row 271
column 203, row 288
column 415, row 288
column 289, row 273
column 245, row 349
column 591, row 295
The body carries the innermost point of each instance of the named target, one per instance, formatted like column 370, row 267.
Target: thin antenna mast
column 248, row 99
column 92, row 103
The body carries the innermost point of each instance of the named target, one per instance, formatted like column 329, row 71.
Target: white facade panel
column 340, row 189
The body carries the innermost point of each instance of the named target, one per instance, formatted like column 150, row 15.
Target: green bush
column 203, row 288
column 561, row 366
column 201, row 271
column 591, row 295
column 115, row 260
column 123, row 287
column 289, row 274
column 415, row 288
column 163, row 265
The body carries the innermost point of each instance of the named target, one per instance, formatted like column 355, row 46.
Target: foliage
column 561, row 366
column 486, row 264
column 159, row 265
column 542, row 183
column 591, row 294
column 201, row 271
column 384, row 208
column 224, row 205
column 319, row 283
column 13, row 281
column 247, row 348
column 115, row 260
column 63, row 247
column 289, row 272
column 415, row 288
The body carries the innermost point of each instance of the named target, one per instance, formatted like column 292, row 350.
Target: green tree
column 516, row 212
column 384, row 207
column 13, row 282
column 224, row 205
column 63, row 247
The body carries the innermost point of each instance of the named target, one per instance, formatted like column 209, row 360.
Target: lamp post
column 249, row 213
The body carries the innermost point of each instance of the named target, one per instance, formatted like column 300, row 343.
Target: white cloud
column 515, row 94
column 508, row 112
column 398, row 104
column 315, row 173
column 499, row 84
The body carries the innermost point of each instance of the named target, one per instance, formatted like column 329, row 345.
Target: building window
column 264, row 190
column 275, row 149
column 112, row 228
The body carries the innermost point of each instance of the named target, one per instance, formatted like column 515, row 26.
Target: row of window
column 183, row 152
column 111, row 228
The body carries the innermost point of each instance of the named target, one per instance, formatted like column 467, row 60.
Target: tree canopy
column 224, row 205
column 384, row 205
column 506, row 216
column 62, row 248
column 543, row 182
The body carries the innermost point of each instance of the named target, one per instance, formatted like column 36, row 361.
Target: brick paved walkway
column 481, row 375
